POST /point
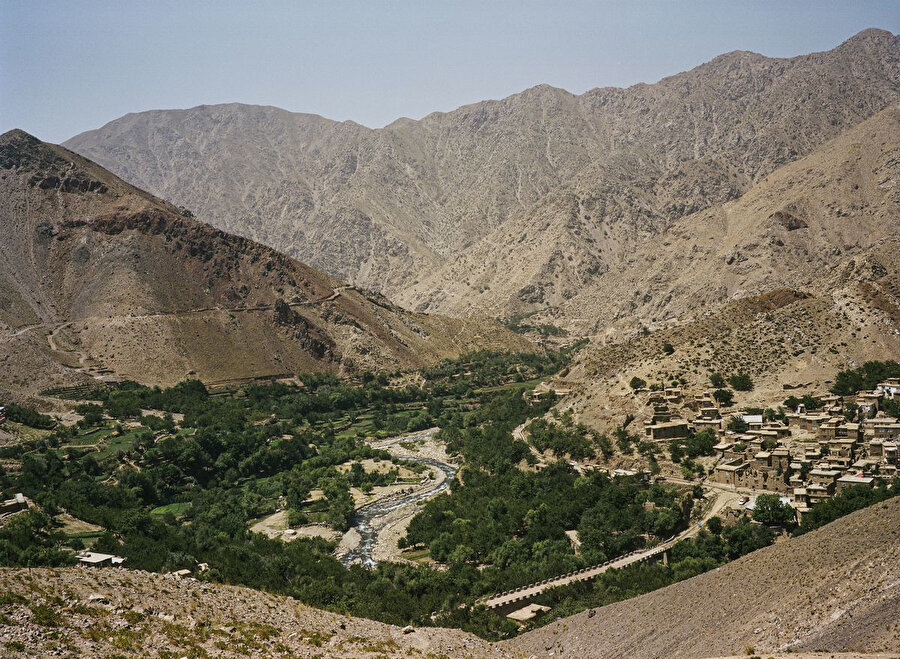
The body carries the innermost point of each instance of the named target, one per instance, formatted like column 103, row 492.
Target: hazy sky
column 71, row 66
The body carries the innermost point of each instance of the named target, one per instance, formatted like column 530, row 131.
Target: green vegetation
column 724, row 397
column 637, row 383
column 29, row 417
column 713, row 546
column 864, row 378
column 741, row 382
column 668, row 349
column 168, row 495
column 772, row 511
column 809, row 402
column 516, row 324
column 737, row 424
column 850, row 500
column 563, row 438
column 717, row 380
column 693, row 446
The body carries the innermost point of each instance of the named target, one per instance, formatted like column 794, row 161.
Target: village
column 807, row 453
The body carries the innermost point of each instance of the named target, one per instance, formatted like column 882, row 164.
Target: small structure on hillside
column 12, row 506
column 96, row 559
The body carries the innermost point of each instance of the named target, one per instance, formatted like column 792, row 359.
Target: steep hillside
column 114, row 612
column 602, row 264
column 97, row 276
column 836, row 589
column 384, row 208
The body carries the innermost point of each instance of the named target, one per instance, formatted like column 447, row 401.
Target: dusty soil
column 276, row 526
column 837, row 588
column 117, row 612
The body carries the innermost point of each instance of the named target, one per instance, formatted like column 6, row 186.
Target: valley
column 614, row 373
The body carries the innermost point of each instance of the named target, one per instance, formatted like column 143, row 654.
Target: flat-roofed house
column 881, row 427
column 731, row 473
column 11, row 506
column 675, row 429
column 853, row 479
column 890, row 387
column 95, row 559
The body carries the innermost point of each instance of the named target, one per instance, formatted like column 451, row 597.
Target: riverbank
column 377, row 526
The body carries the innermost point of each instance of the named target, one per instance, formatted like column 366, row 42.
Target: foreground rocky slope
column 836, row 590
column 384, row 208
column 113, row 612
column 97, row 277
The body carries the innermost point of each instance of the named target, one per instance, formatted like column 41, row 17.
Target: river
column 365, row 520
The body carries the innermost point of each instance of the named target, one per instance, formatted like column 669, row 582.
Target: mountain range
column 98, row 278
column 507, row 206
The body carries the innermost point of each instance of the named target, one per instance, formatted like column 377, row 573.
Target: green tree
column 771, row 510
column 717, row 380
column 637, row 383
column 724, row 397
column 736, row 423
column 740, row 382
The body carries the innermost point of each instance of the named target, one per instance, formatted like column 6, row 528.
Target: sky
column 66, row 66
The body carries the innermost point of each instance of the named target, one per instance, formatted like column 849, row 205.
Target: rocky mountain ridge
column 98, row 277
column 386, row 208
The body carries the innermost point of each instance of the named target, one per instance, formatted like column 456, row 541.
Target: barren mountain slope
column 595, row 254
column 780, row 338
column 115, row 612
column 836, row 589
column 98, row 275
column 384, row 207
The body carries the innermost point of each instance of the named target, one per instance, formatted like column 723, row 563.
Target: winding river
column 365, row 519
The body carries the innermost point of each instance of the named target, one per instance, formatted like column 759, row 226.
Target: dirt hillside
column 99, row 278
column 836, row 589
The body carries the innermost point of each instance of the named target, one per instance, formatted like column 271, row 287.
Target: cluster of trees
column 809, row 402
column 850, row 500
column 737, row 381
column 238, row 453
column 866, row 377
column 713, row 546
column 693, row 446
column 29, row 417
column 515, row 521
column 564, row 438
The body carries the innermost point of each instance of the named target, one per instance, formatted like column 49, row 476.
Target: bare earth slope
column 384, row 208
column 788, row 230
column 113, row 612
column 97, row 276
column 836, row 589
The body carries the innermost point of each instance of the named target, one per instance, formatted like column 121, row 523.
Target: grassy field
column 176, row 509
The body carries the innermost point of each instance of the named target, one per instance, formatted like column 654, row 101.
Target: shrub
column 637, row 383
column 737, row 424
column 741, row 382
column 770, row 510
